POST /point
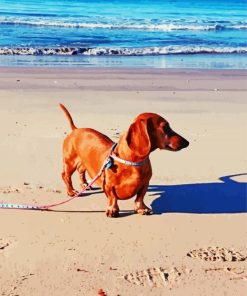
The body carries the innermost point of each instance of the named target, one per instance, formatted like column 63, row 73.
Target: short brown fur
column 85, row 149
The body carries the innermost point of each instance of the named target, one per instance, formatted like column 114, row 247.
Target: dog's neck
column 123, row 151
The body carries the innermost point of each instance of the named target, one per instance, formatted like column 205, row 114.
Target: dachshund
column 86, row 149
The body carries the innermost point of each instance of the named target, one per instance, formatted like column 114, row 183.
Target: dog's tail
column 72, row 126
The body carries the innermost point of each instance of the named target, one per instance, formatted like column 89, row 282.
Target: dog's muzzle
column 177, row 143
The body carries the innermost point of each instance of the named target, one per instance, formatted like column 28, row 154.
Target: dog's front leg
column 140, row 207
column 113, row 209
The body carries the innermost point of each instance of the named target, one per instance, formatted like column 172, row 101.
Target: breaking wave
column 126, row 25
column 148, row 51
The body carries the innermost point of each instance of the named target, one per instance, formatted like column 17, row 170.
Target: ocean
column 110, row 33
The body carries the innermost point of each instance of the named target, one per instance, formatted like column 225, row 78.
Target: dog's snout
column 177, row 143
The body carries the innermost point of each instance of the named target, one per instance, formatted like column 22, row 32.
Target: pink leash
column 106, row 164
column 47, row 207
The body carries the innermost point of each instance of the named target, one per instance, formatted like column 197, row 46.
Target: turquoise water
column 81, row 30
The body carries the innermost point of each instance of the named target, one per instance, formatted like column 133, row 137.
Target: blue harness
column 113, row 157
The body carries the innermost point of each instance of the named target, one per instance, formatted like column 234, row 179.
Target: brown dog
column 86, row 149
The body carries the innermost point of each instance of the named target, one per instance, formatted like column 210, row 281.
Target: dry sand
column 194, row 244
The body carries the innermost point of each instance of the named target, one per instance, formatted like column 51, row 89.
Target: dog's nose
column 184, row 143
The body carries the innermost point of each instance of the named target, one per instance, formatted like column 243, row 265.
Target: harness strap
column 127, row 162
column 118, row 159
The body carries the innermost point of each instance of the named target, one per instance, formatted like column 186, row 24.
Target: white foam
column 126, row 25
column 98, row 51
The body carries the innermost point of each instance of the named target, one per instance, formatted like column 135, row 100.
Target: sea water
column 145, row 33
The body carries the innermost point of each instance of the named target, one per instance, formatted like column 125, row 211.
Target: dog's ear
column 138, row 138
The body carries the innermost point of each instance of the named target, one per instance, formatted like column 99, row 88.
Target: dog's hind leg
column 82, row 174
column 68, row 170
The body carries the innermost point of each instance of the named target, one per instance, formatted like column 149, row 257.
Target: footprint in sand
column 157, row 276
column 217, row 254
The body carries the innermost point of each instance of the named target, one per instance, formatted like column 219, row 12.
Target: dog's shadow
column 227, row 196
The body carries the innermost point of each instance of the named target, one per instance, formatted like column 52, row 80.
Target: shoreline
column 121, row 79
column 177, row 61
column 123, row 70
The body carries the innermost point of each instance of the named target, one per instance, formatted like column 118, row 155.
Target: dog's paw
column 73, row 193
column 145, row 211
column 112, row 213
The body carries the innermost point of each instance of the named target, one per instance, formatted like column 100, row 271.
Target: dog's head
column 150, row 131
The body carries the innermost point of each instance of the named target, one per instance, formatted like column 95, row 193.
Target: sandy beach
column 193, row 244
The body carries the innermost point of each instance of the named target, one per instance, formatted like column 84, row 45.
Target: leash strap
column 47, row 207
column 18, row 206
column 106, row 164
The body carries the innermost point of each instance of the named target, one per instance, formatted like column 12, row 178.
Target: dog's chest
column 127, row 181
